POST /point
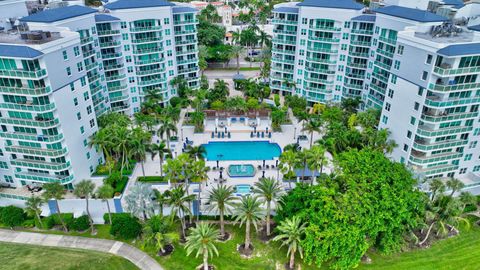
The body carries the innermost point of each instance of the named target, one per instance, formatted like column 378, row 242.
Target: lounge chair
column 229, row 135
column 251, row 134
column 213, row 135
column 270, row 135
column 263, row 134
column 223, row 134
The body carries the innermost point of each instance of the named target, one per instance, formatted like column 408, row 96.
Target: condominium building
column 418, row 67
column 46, row 109
column 60, row 69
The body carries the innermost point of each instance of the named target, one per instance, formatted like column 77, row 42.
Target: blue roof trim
column 131, row 4
column 58, row 14
column 341, row 4
column 412, row 14
column 286, row 10
column 183, row 9
column 460, row 49
column 474, row 27
column 105, row 18
column 365, row 18
column 454, row 3
column 17, row 51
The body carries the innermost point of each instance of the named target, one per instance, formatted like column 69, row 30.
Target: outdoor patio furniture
column 223, row 134
column 259, row 166
column 263, row 134
column 229, row 135
column 213, row 135
column 268, row 167
column 251, row 134
column 242, row 119
column 270, row 135
column 258, row 134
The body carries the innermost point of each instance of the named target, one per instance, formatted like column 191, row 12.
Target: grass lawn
column 24, row 257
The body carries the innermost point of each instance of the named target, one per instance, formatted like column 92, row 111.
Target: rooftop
column 14, row 37
column 286, row 9
column 58, row 14
column 340, row 4
column 461, row 49
column 183, row 9
column 412, row 14
column 130, row 4
column 105, row 18
column 454, row 3
column 365, row 18
column 18, row 51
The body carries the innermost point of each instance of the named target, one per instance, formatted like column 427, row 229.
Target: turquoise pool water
column 242, row 189
column 238, row 170
column 244, row 150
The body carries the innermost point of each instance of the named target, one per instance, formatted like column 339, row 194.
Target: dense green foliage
column 371, row 202
column 12, row 216
column 125, row 227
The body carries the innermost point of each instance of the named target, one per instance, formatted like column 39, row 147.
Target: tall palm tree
column 178, row 201
column 291, row 233
column 287, row 163
column 221, row 199
column 270, row 190
column 103, row 140
column 316, row 159
column 33, row 207
column 173, row 170
column 85, row 188
column 166, row 128
column 161, row 198
column 55, row 191
column 248, row 212
column 122, row 136
column 236, row 52
column 196, row 152
column 138, row 151
column 436, row 187
column 105, row 192
column 312, row 126
column 162, row 151
column 454, row 185
column 202, row 238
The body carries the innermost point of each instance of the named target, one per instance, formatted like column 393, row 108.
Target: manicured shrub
column 125, row 227
column 12, row 216
column 107, row 220
column 174, row 101
column 81, row 223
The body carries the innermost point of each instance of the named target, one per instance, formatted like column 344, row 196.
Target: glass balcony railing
column 30, row 107
column 36, row 151
column 429, row 132
column 116, row 77
column 43, row 165
column 146, row 29
column 186, row 41
column 111, row 55
column 44, row 178
column 110, row 44
column 283, row 21
column 31, row 137
column 33, row 74
column 147, row 40
column 30, row 122
column 455, row 71
column 388, row 40
column 325, row 28
column 149, row 61
column 26, row 91
column 193, row 21
column 151, row 82
column 447, row 117
column 453, row 87
column 362, row 32
column 424, row 146
column 108, row 32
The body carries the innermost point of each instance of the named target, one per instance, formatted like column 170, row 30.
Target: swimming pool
column 240, row 170
column 243, row 189
column 243, row 150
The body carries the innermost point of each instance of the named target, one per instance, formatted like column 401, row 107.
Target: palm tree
column 105, row 192
column 436, row 187
column 270, row 190
column 291, row 232
column 198, row 174
column 173, row 170
column 122, row 138
column 161, row 198
column 220, row 199
column 33, row 207
column 236, row 52
column 178, row 201
column 196, row 152
column 55, row 191
column 166, row 128
column 287, row 163
column 454, row 185
column 85, row 189
column 316, row 159
column 140, row 201
column 312, row 126
column 248, row 212
column 202, row 239
column 162, row 151
column 162, row 239
column 467, row 198
column 138, row 151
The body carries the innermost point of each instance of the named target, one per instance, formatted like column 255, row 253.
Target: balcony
column 280, row 60
column 146, row 29
column 38, row 122
column 435, row 101
column 285, row 32
column 28, row 106
column 428, row 131
column 36, row 151
column 359, row 54
column 362, row 32
column 187, row 61
column 108, row 32
column 87, row 54
column 429, row 146
column 183, row 52
column 152, row 82
column 194, row 21
column 446, row 70
column 149, row 61
column 323, row 39
column 187, row 41
column 147, row 40
column 31, row 137
column 116, row 77
column 113, row 67
column 360, row 43
column 385, row 53
column 382, row 65
column 86, row 40
column 435, row 117
column 282, row 69
column 284, row 41
column 147, row 51
column 318, row 80
column 277, row 50
column 388, row 40
column 320, row 70
column 118, row 98
column 42, row 165
column 186, row 32
column 422, row 158
column 441, row 87
column 110, row 44
column 284, row 21
column 322, row 50
column 325, row 28
column 111, row 56
column 44, row 178
column 30, row 74
column 188, row 70
column 323, row 61
column 26, row 91
column 150, row 71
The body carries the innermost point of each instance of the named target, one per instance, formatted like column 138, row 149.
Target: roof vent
column 446, row 29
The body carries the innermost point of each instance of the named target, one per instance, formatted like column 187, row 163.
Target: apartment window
column 83, row 82
column 79, row 66
column 467, row 157
column 393, row 79
column 342, row 57
column 416, row 106
column 65, row 55
column 304, row 20
column 82, row 130
column 125, row 36
column 340, row 68
column 412, row 120
column 79, row 116
column 347, row 25
column 409, row 134
column 390, row 93
column 168, row 42
column 302, row 52
column 92, row 123
column 424, row 75
column 302, row 42
column 72, row 86
column 133, row 90
column 339, row 78
column 405, row 147
column 476, row 132
column 166, row 21
column 300, row 62
column 75, row 101
column 85, row 143
column 377, row 29
column 396, row 65
column 123, row 25
column 463, row 170
column 69, row 71
column 472, row 144
column 402, row 160
column 134, row 99
column 384, row 119
column 76, row 51
column 171, row 73
column 131, row 79
column 128, row 59
column 129, row 69
column 169, row 53
column 420, row 91
column 344, row 47
column 299, row 72
column 345, row 36
column 387, row 106
column 94, row 30
column 86, row 96
column 88, row 155
column 167, row 32
column 89, row 109
column 170, row 63
column 303, row 32
column 429, row 59
column 400, row 49
column 126, row 47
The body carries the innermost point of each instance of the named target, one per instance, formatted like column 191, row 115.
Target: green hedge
column 12, row 216
column 81, row 223
column 152, row 179
column 106, row 220
column 125, row 227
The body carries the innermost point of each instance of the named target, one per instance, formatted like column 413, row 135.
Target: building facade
column 417, row 67
column 60, row 69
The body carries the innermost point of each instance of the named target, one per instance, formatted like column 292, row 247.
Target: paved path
column 137, row 257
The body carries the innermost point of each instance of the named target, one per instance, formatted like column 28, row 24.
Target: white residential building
column 416, row 66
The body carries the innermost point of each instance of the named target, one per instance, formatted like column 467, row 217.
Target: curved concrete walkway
column 137, row 257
